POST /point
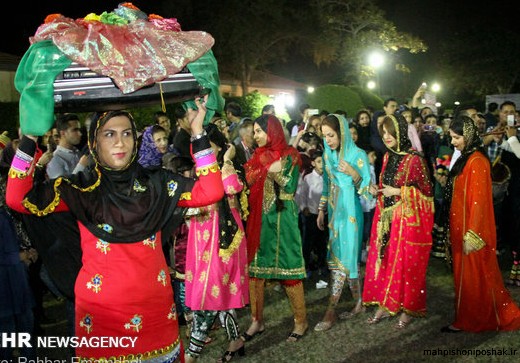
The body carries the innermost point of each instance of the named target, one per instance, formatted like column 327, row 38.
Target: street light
column 376, row 61
column 371, row 85
column 436, row 87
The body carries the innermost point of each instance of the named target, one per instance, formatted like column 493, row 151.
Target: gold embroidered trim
column 50, row 208
column 285, row 196
column 205, row 170
column 244, row 203
column 90, row 187
column 133, row 357
column 226, row 253
column 474, row 240
column 185, row 196
column 17, row 174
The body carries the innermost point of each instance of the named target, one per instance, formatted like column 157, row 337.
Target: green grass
column 355, row 341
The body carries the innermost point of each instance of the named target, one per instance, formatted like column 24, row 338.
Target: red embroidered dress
column 401, row 236
column 123, row 289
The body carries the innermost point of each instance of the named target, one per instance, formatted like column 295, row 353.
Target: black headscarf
column 396, row 155
column 117, row 206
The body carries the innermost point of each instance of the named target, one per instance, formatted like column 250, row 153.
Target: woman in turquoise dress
column 346, row 177
column 274, row 245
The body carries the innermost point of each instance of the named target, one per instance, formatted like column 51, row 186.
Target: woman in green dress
column 273, row 237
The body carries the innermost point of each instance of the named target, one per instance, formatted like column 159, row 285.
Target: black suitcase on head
column 79, row 89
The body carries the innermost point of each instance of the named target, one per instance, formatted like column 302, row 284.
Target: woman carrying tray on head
column 118, row 214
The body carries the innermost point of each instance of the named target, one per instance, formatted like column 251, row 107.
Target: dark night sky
column 430, row 20
column 427, row 19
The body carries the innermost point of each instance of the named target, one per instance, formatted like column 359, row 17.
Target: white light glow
column 376, row 60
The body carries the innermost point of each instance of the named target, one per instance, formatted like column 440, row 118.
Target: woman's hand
column 45, row 158
column 276, row 167
column 196, row 117
column 373, row 189
column 389, row 191
column 346, row 168
column 230, row 152
column 320, row 221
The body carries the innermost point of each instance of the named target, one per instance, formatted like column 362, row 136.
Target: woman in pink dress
column 216, row 260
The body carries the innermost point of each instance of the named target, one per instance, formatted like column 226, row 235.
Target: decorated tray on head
column 133, row 56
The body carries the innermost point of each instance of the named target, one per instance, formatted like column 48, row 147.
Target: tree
column 249, row 35
column 351, row 29
column 467, row 54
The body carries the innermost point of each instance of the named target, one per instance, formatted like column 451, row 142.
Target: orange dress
column 482, row 302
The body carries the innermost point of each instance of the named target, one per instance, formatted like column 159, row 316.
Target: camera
column 313, row 111
column 510, row 120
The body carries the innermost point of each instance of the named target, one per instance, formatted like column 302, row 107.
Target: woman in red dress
column 401, row 237
column 481, row 300
column 117, row 215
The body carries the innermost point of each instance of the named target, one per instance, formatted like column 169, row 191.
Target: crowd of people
column 197, row 217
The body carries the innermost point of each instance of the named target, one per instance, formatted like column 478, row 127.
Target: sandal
column 401, row 324
column 323, row 326
column 227, row 356
column 294, row 337
column 377, row 319
column 248, row 337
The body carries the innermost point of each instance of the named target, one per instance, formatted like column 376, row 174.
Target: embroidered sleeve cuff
column 474, row 241
column 205, row 162
column 323, row 203
column 280, row 178
column 23, row 158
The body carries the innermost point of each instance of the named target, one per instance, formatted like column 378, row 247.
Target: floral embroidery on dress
column 106, row 227
column 87, row 323
column 206, row 256
column 215, row 291
column 188, row 276
column 172, row 187
column 231, row 190
column 233, row 289
column 150, row 242
column 135, row 323
column 205, row 235
column 225, row 279
column 162, row 277
column 138, row 188
column 95, row 283
column 202, row 276
column 172, row 315
column 360, row 163
column 103, row 246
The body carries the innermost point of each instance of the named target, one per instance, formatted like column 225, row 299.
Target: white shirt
column 312, row 187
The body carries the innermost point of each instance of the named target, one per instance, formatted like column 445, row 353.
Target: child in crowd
column 368, row 206
column 315, row 240
column 154, row 144
column 176, row 253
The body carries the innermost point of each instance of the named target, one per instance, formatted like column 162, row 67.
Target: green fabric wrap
column 34, row 79
column 205, row 71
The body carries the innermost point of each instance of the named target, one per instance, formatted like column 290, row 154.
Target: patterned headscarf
column 465, row 127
